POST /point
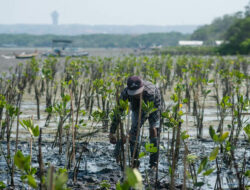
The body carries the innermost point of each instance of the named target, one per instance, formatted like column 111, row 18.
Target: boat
column 25, row 55
column 63, row 48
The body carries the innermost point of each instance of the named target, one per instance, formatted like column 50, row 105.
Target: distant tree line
column 237, row 37
column 233, row 29
column 96, row 40
column 216, row 30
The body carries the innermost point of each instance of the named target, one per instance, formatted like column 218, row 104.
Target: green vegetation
column 216, row 30
column 187, row 50
column 237, row 38
column 96, row 40
column 232, row 29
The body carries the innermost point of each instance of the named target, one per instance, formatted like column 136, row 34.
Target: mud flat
column 98, row 164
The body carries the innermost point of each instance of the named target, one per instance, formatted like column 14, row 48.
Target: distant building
column 154, row 46
column 219, row 42
column 190, row 43
column 55, row 16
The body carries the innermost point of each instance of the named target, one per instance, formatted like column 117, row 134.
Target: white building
column 219, row 42
column 190, row 43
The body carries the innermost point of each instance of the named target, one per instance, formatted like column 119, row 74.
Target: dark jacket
column 150, row 93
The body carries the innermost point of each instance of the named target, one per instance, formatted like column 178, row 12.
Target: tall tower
column 54, row 16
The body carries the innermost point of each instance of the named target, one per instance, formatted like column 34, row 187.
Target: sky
column 118, row 12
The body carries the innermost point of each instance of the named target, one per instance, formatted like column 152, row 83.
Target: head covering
column 135, row 85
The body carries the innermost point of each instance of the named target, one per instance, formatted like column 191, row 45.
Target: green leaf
column 133, row 177
column 31, row 181
column 184, row 135
column 22, row 162
column 33, row 171
column 49, row 109
column 66, row 98
column 124, row 186
column 60, row 181
column 2, row 185
column 26, row 163
column 185, row 101
column 18, row 158
column 207, row 92
column 118, row 186
column 208, row 172
column 214, row 154
column 23, row 178
column 247, row 173
column 203, row 165
column 62, row 170
column 211, row 131
column 247, row 131
column 228, row 146
column 29, row 126
column 69, row 82
column 213, row 134
column 151, row 148
column 174, row 97
column 148, row 107
column 216, row 138
column 35, row 131
column 123, row 104
column 180, row 113
column 223, row 137
column 142, row 154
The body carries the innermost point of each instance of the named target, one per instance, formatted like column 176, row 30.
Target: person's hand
column 112, row 138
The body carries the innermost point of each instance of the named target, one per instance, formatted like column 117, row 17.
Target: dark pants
column 153, row 131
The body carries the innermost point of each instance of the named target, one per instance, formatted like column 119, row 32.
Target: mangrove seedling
column 24, row 165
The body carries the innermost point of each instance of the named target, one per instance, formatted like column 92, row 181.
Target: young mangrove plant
column 104, row 92
column 34, row 79
column 62, row 109
column 49, row 69
column 174, row 122
column 23, row 163
column 240, row 105
column 56, row 179
column 199, row 84
column 33, row 130
column 120, row 112
column 133, row 180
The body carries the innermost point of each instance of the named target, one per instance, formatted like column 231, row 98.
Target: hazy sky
column 117, row 12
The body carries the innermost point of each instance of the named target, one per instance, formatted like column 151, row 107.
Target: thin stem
column 137, row 132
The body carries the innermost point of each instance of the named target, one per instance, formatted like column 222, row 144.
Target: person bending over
column 136, row 89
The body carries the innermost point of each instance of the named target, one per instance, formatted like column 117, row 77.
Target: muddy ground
column 98, row 164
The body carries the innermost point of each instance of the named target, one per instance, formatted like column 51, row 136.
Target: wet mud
column 99, row 165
